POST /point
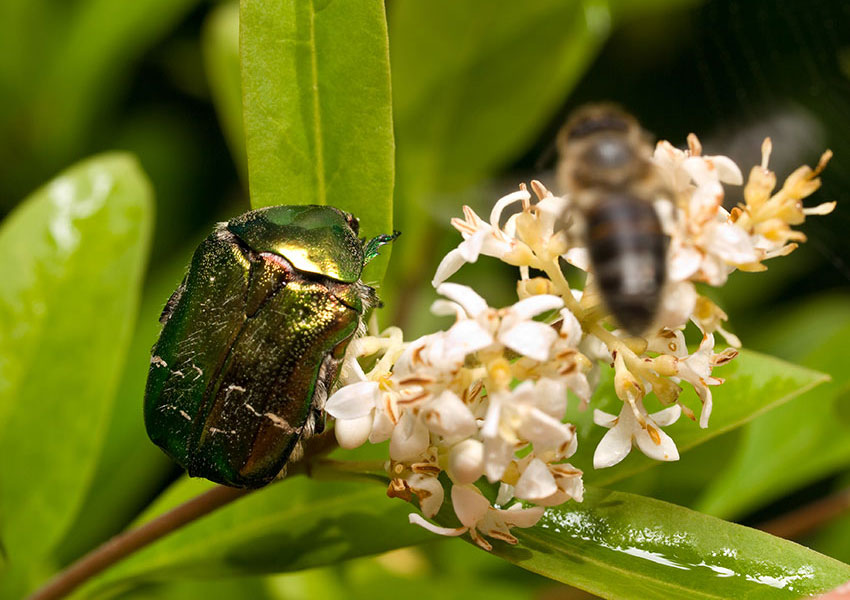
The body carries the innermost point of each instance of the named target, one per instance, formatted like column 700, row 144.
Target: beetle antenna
column 370, row 249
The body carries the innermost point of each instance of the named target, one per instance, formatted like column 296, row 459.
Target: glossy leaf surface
column 73, row 256
column 317, row 107
column 619, row 545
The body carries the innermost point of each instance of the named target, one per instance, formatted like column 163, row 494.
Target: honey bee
column 605, row 166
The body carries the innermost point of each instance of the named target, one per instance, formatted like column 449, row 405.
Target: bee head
column 601, row 145
column 596, row 119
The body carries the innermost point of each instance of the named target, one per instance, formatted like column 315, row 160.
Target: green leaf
column 220, row 44
column 318, row 116
column 755, row 383
column 73, row 256
column 446, row 569
column 296, row 524
column 619, row 545
column 806, row 439
column 119, row 494
column 253, row 588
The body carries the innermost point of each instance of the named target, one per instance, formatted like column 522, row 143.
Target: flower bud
column 466, row 461
column 352, row 433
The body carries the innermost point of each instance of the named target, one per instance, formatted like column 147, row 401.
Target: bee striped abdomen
column 627, row 251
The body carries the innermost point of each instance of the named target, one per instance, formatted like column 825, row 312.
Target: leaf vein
column 317, row 126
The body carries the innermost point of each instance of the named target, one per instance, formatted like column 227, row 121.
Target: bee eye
column 596, row 124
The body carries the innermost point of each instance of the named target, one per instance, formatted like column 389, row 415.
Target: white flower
column 430, row 493
column 409, row 439
column 488, row 396
column 668, row 341
column 481, row 237
column 365, row 407
column 536, row 482
column 683, row 168
column 706, row 244
column 353, row 406
column 548, row 484
column 480, row 519
column 542, row 226
column 537, row 233
column 447, row 416
column 627, row 429
column 512, row 327
column 531, row 412
column 570, row 485
column 696, row 370
column 466, row 461
column 363, row 411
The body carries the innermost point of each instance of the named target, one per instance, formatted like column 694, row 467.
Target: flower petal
column 503, row 203
column 505, row 494
column 470, row 248
column 497, row 455
column 464, row 295
column 704, row 395
column 430, row 493
column 353, row 401
column 448, row 531
column 729, row 242
column 470, row 504
column 449, row 417
column 451, row 264
column 446, row 308
column 684, row 262
column 578, row 257
column 409, row 439
column 727, row 170
column 353, row 433
column 535, row 482
column 668, row 416
column 702, row 171
column 536, row 305
column 382, row 427
column 677, row 305
column 516, row 516
column 614, row 445
column 543, row 431
column 548, row 395
column 466, row 461
column 529, row 338
column 604, row 419
column 463, row 338
column 570, row 328
column 655, row 443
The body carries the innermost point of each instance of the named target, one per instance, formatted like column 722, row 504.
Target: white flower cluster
column 487, row 398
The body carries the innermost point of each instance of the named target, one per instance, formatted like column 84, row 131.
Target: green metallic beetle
column 253, row 338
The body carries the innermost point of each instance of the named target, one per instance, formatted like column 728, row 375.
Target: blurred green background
column 479, row 91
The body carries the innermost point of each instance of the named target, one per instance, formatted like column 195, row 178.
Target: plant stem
column 128, row 542
column 810, row 517
column 124, row 544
